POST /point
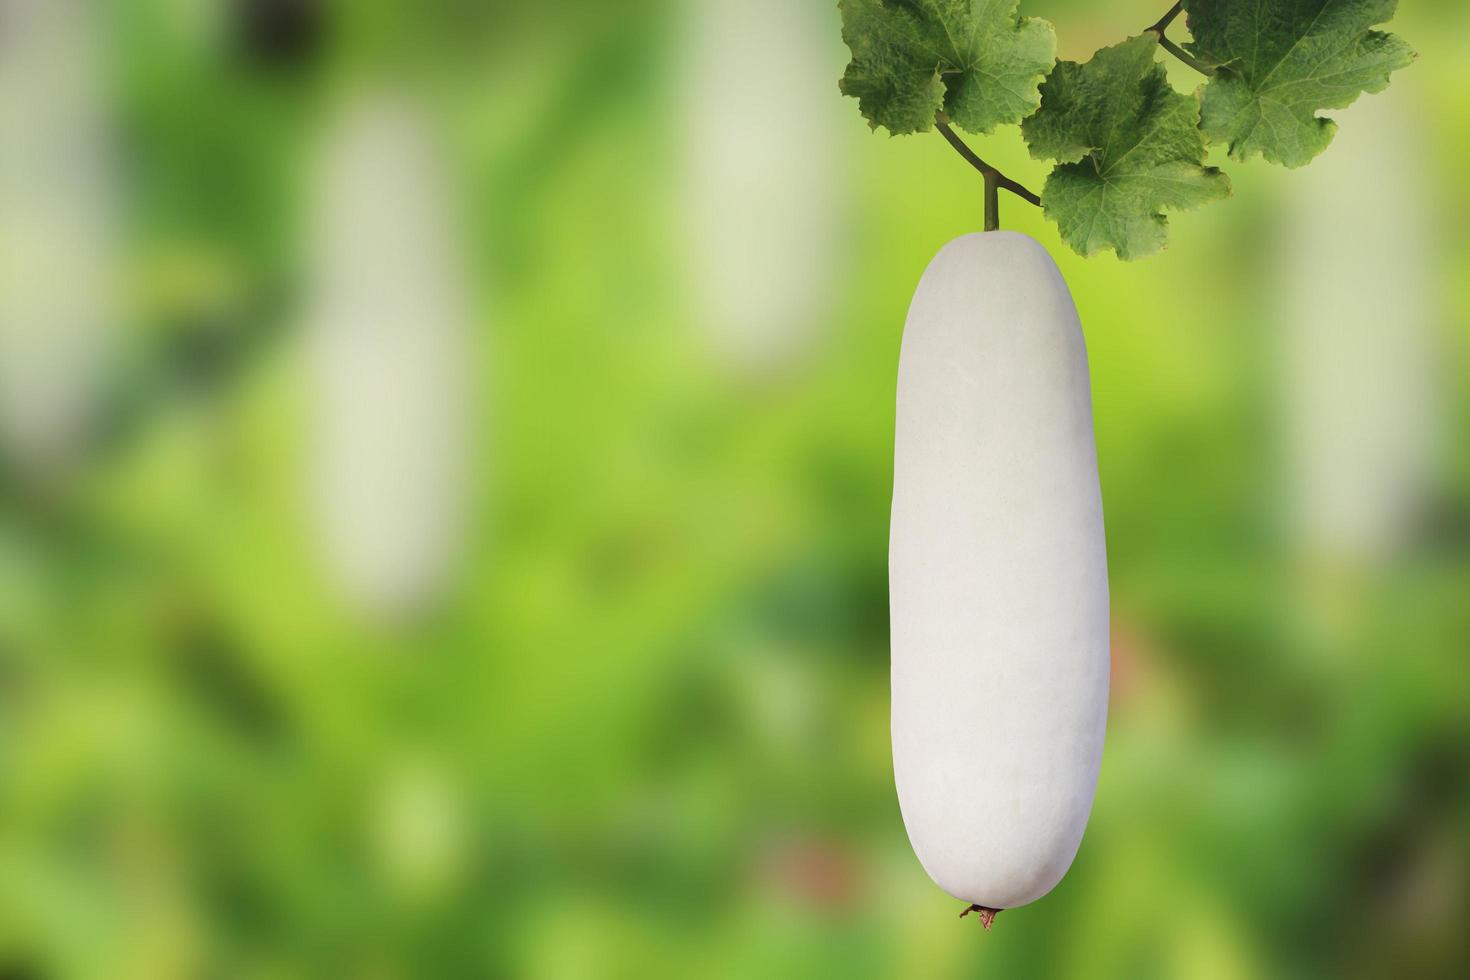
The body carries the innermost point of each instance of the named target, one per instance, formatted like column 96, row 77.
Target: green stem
column 994, row 179
column 992, row 200
column 1161, row 25
column 1185, row 56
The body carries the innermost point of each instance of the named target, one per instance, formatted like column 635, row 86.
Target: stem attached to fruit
column 994, row 179
column 1161, row 25
column 992, row 201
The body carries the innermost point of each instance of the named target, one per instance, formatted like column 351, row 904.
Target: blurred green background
column 625, row 713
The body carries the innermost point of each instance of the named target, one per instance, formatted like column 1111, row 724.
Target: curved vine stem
column 1161, row 25
column 994, row 179
column 1185, row 56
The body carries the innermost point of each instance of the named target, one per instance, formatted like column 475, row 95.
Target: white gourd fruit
column 58, row 228
column 997, row 574
column 389, row 357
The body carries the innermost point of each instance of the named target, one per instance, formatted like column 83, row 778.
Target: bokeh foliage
column 645, row 733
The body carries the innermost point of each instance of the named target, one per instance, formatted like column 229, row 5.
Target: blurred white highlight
column 1358, row 333
column 391, row 358
column 58, row 217
column 759, row 202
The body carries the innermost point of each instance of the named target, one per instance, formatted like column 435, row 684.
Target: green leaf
column 1281, row 61
column 978, row 60
column 1128, row 146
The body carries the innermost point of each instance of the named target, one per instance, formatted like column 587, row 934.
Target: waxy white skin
column 997, row 574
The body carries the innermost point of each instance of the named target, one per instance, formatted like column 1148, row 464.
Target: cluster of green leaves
column 1127, row 146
